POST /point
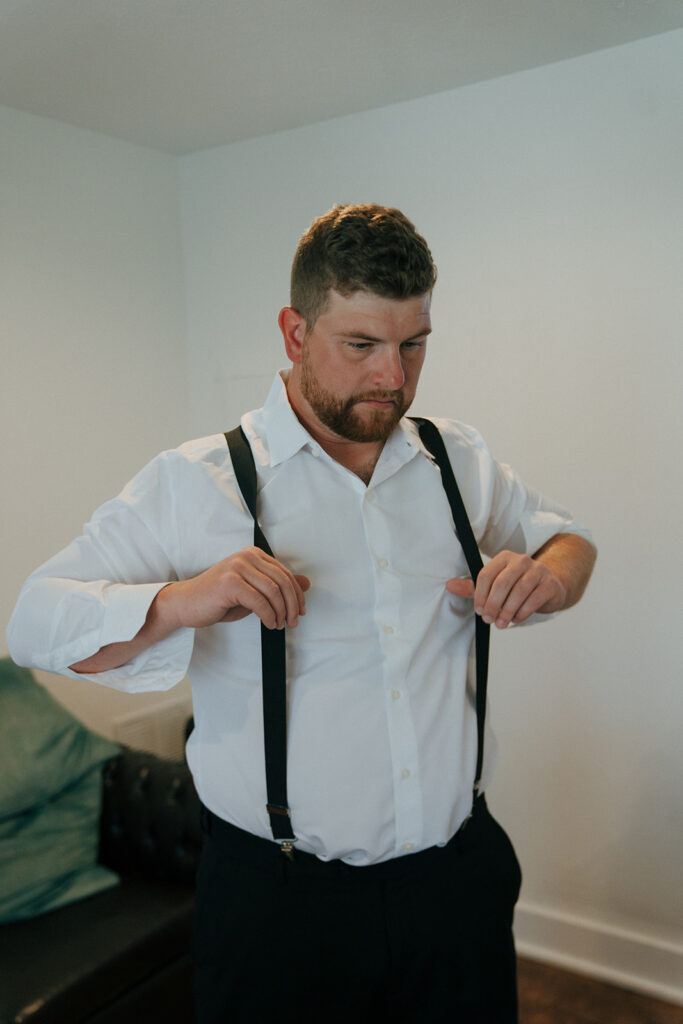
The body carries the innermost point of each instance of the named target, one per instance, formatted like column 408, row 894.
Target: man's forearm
column 247, row 582
column 571, row 558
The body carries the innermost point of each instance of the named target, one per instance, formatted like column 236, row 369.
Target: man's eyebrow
column 362, row 336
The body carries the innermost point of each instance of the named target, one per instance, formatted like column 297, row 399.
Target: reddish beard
column 340, row 415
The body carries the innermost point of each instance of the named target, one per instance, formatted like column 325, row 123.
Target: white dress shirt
column 381, row 727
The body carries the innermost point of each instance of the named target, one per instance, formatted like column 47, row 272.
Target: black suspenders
column 273, row 666
column 273, row 660
column 432, row 440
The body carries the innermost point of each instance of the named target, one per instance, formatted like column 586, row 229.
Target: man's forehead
column 367, row 306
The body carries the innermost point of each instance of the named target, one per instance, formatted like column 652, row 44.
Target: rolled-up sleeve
column 98, row 590
column 522, row 519
column 506, row 514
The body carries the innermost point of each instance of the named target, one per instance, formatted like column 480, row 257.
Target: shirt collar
column 279, row 435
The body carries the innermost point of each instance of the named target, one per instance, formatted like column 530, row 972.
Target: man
column 400, row 892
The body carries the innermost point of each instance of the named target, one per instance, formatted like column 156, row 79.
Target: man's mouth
column 378, row 401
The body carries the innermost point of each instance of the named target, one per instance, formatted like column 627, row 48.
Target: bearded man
column 360, row 874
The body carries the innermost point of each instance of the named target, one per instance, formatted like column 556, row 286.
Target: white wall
column 93, row 342
column 552, row 202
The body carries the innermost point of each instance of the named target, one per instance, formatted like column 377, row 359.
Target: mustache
column 380, row 396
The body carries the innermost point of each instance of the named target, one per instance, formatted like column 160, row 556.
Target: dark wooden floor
column 548, row 995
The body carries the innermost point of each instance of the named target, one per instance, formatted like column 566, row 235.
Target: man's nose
column 390, row 373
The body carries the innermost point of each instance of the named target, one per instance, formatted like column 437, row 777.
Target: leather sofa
column 123, row 955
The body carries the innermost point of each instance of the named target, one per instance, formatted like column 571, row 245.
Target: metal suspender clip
column 287, row 842
column 287, row 847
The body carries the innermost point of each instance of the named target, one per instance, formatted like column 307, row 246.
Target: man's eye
column 360, row 345
column 410, row 345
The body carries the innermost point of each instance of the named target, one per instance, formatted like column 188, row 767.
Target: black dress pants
column 425, row 938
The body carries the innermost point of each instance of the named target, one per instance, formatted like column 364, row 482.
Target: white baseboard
column 628, row 957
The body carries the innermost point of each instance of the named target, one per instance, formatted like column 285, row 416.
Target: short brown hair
column 359, row 248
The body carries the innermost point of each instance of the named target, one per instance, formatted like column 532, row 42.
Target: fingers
column 461, row 586
column 262, row 585
column 303, row 582
column 512, row 587
column 247, row 582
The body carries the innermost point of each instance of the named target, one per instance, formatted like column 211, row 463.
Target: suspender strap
column 273, row 665
column 432, row 440
column 273, row 660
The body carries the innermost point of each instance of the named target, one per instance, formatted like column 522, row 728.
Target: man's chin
column 363, row 419
column 378, row 425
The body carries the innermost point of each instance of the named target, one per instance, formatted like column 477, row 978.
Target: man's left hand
column 512, row 587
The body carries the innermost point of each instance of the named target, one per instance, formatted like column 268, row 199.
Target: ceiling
column 183, row 75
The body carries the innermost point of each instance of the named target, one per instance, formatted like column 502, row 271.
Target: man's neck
column 359, row 458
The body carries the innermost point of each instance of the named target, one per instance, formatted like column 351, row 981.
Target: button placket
column 400, row 723
column 404, row 757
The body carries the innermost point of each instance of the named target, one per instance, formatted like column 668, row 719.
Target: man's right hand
column 248, row 581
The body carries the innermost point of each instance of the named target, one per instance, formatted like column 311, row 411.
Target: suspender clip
column 286, row 844
column 287, row 847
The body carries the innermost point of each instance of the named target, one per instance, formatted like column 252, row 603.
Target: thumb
column 461, row 586
column 303, row 582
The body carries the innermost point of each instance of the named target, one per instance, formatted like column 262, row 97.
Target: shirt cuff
column 159, row 667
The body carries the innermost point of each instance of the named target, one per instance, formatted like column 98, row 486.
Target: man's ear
column 293, row 327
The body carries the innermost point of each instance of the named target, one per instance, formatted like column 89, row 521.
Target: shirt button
column 382, row 563
column 395, row 694
column 315, row 452
column 405, row 774
column 407, row 847
column 389, row 630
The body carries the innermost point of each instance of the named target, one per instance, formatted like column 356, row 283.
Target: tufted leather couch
column 123, row 955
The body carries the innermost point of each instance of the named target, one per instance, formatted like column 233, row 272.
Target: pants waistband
column 265, row 854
